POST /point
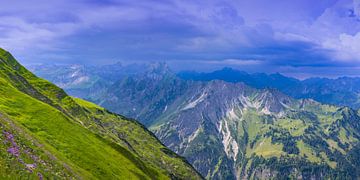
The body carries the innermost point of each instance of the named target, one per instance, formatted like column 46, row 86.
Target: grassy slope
column 320, row 145
column 30, row 152
column 109, row 147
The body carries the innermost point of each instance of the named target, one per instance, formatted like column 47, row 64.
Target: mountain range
column 46, row 134
column 342, row 91
column 88, row 81
column 233, row 125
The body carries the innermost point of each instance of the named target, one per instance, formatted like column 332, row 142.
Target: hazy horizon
column 177, row 69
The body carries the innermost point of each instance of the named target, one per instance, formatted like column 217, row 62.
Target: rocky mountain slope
column 46, row 134
column 231, row 130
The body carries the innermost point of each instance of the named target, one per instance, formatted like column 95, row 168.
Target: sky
column 299, row 38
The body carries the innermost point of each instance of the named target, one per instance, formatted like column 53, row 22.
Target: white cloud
column 347, row 47
column 336, row 30
column 236, row 62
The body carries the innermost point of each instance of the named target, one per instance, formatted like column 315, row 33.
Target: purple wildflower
column 30, row 167
column 9, row 137
column 14, row 151
column 40, row 176
column 21, row 161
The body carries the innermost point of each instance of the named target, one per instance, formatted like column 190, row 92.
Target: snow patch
column 266, row 111
column 257, row 105
column 81, row 80
column 285, row 105
column 245, row 101
column 74, row 74
column 193, row 136
column 231, row 147
column 232, row 115
column 195, row 102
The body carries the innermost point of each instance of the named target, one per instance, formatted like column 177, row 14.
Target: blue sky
column 300, row 38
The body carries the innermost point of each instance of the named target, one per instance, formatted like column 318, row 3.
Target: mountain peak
column 273, row 101
column 231, row 70
column 159, row 66
column 158, row 70
column 8, row 59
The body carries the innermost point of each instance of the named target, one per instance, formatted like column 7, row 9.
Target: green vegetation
column 73, row 138
column 312, row 142
column 266, row 148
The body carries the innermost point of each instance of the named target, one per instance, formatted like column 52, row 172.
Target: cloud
column 347, row 47
column 335, row 31
column 298, row 33
column 357, row 7
column 19, row 35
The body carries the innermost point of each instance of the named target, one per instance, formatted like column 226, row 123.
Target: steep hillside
column 47, row 134
column 231, row 130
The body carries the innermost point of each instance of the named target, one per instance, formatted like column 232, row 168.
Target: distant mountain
column 75, row 75
column 85, row 80
column 231, row 130
column 344, row 91
column 257, row 80
column 46, row 134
